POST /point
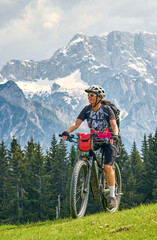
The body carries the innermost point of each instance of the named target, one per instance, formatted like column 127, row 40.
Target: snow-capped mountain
column 25, row 119
column 125, row 64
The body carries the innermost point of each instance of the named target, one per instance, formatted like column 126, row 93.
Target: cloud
column 25, row 35
column 36, row 28
column 44, row 15
column 33, row 20
column 50, row 20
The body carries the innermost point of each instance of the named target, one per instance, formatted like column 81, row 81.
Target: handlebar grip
column 71, row 135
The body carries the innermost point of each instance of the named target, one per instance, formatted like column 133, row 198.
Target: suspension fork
column 86, row 186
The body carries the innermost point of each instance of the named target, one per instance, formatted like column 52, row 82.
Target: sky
column 35, row 29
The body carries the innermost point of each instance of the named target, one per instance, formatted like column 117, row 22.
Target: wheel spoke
column 78, row 191
column 78, row 199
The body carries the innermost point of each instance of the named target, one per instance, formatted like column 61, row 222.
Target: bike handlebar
column 93, row 135
column 69, row 138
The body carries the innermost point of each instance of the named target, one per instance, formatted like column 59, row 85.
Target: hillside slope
column 137, row 223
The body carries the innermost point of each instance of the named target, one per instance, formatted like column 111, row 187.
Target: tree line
column 36, row 186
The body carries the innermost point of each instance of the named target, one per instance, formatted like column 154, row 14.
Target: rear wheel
column 106, row 192
column 78, row 197
column 118, row 187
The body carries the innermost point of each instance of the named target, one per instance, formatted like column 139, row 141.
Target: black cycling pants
column 110, row 152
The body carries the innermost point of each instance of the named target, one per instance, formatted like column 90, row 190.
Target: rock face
column 24, row 119
column 125, row 64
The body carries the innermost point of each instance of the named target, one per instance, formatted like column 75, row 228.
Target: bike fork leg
column 88, row 175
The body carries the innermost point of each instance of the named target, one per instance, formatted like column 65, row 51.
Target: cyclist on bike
column 100, row 120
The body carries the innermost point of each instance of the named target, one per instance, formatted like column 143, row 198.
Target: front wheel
column 79, row 197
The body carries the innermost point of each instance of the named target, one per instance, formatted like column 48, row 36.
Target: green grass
column 136, row 223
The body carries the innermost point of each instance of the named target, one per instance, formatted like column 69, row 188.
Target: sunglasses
column 92, row 95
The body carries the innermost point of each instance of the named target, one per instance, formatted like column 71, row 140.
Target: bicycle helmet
column 96, row 89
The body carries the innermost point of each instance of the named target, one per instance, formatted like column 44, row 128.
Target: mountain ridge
column 124, row 63
column 23, row 119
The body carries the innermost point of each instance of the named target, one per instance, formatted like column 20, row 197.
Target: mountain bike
column 89, row 172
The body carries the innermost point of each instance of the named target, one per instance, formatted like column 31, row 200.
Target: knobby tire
column 118, row 188
column 79, row 198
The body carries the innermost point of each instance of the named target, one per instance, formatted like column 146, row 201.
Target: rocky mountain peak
column 14, row 95
column 124, row 63
column 18, row 70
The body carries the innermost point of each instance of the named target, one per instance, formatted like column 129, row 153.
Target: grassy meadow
column 136, row 223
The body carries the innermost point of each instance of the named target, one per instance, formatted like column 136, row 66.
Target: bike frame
column 94, row 169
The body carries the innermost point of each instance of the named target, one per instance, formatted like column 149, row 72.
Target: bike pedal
column 119, row 194
column 106, row 190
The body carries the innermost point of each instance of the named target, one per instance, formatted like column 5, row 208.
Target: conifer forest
column 35, row 186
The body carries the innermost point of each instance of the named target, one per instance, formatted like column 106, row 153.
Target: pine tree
column 132, row 179
column 42, row 183
column 154, row 191
column 73, row 156
column 144, row 150
column 3, row 177
column 146, row 163
column 15, row 183
column 150, row 167
column 150, row 139
column 61, row 168
column 130, row 194
column 154, row 163
column 138, row 173
column 152, row 172
column 34, row 181
column 50, row 179
column 123, row 162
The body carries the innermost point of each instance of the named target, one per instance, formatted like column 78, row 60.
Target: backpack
column 114, row 109
column 117, row 114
